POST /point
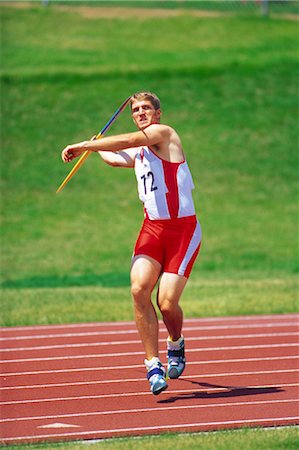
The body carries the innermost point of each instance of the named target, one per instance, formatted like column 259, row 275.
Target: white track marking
column 134, row 331
column 99, row 344
column 278, row 317
column 142, row 410
column 128, row 380
column 139, row 366
column 142, row 393
column 67, row 335
column 136, row 380
column 60, row 425
column 182, row 426
column 107, row 355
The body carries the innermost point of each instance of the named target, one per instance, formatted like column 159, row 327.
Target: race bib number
column 150, row 181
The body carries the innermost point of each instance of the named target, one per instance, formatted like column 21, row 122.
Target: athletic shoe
column 156, row 375
column 176, row 357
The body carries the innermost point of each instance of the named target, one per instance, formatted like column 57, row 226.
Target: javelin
column 98, row 136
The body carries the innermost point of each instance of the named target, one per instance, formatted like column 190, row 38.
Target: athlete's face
column 144, row 114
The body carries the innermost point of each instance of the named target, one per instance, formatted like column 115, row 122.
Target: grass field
column 227, row 84
column 281, row 438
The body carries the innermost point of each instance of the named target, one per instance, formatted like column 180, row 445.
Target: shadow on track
column 230, row 391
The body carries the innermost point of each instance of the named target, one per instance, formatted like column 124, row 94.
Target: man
column 170, row 237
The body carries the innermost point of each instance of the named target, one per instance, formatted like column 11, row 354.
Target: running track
column 87, row 381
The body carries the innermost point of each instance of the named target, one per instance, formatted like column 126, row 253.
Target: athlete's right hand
column 73, row 151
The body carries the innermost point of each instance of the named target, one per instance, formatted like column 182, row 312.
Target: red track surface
column 87, row 381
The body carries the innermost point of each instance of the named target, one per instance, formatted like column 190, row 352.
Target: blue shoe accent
column 156, row 377
column 176, row 360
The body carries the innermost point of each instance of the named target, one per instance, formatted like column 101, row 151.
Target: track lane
column 129, row 357
column 58, row 348
column 115, row 325
column 146, row 417
column 88, row 376
column 42, row 392
column 207, row 395
column 92, row 336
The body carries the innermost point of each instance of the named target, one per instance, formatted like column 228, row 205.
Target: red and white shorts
column 174, row 243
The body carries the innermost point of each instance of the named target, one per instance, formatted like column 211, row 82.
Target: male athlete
column 170, row 236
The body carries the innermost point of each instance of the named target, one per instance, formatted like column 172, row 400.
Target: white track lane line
column 139, row 366
column 197, row 338
column 142, row 393
column 131, row 380
column 142, row 410
column 134, row 331
column 137, row 380
column 278, row 317
column 128, row 380
column 107, row 355
column 183, row 426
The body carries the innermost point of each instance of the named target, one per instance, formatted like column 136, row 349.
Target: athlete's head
column 146, row 96
column 146, row 110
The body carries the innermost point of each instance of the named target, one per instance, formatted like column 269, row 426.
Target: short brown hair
column 146, row 96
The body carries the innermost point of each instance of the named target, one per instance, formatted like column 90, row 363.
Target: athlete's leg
column 169, row 293
column 145, row 273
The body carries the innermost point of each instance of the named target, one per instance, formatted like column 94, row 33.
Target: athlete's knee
column 140, row 292
column 167, row 306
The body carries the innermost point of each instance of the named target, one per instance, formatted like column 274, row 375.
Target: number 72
column 152, row 187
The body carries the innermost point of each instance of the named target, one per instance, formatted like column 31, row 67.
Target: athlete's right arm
column 123, row 158
column 154, row 134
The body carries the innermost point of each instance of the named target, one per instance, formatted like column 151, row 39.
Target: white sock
column 152, row 362
column 174, row 345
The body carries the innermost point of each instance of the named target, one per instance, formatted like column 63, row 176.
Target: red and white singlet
column 171, row 233
column 164, row 187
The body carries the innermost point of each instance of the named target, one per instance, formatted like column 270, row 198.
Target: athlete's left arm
column 123, row 158
column 154, row 134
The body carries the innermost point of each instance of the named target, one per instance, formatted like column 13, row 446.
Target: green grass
column 211, row 295
column 274, row 439
column 229, row 86
column 231, row 6
column 230, row 91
